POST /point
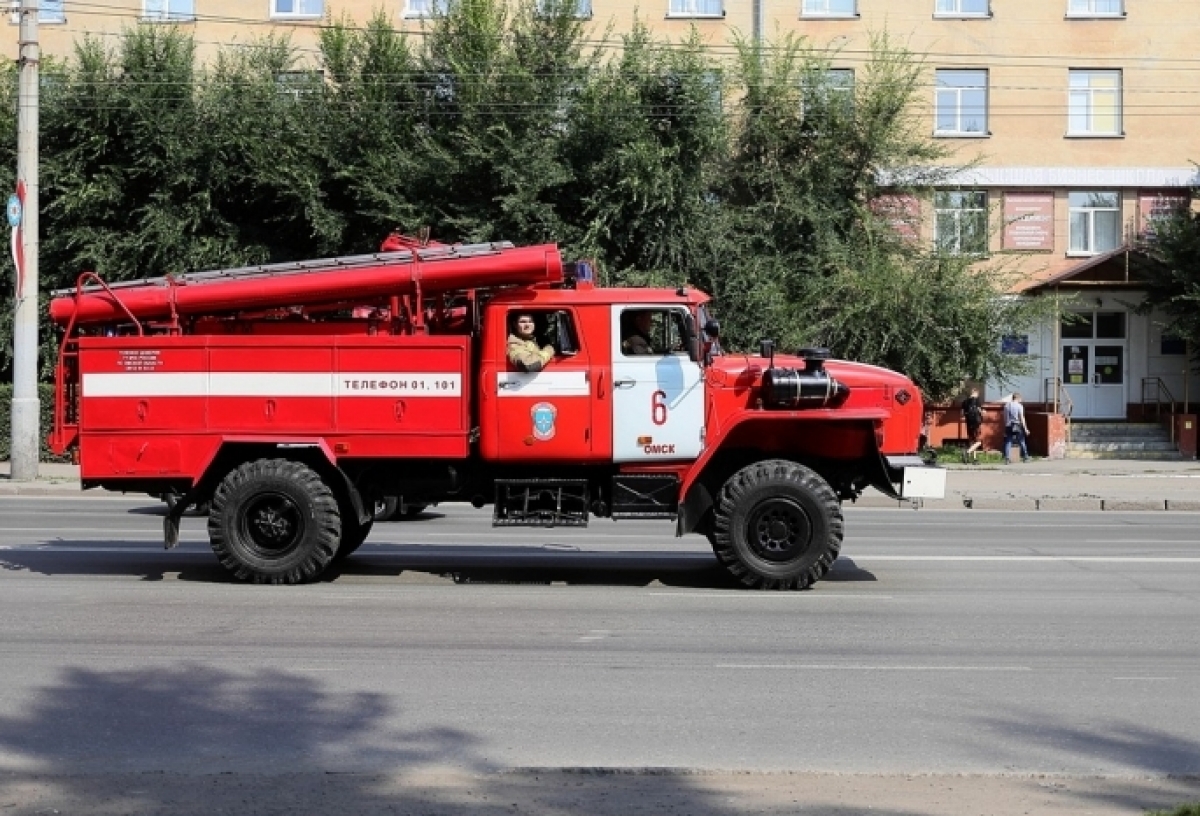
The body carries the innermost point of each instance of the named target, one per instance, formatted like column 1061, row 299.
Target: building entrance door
column 1093, row 357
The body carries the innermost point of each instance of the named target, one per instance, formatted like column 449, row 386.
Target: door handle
column 510, row 384
column 600, row 385
column 624, row 383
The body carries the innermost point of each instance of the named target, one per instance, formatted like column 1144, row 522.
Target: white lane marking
column 772, row 596
column 411, row 549
column 1146, row 679
column 854, row 667
column 1098, row 559
column 596, row 634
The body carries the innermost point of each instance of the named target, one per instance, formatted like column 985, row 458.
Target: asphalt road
column 1024, row 643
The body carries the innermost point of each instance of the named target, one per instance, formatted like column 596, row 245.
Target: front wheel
column 777, row 525
column 274, row 521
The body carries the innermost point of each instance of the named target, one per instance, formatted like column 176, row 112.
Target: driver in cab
column 637, row 329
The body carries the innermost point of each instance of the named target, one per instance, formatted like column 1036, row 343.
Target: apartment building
column 1080, row 120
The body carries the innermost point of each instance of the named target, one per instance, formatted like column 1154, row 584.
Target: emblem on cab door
column 543, row 415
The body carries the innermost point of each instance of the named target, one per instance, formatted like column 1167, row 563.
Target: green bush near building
column 46, row 395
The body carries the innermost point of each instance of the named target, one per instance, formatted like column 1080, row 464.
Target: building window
column 1095, row 8
column 696, row 8
column 961, row 103
column 1095, row 222
column 822, row 90
column 297, row 8
column 169, row 11
column 51, row 11
column 829, row 8
column 578, row 8
column 961, row 8
column 299, row 84
column 418, row 8
column 961, row 222
column 1094, row 105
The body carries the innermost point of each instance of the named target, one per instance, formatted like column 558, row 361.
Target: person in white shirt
column 1015, row 429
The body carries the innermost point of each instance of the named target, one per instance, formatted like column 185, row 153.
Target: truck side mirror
column 766, row 348
column 712, row 328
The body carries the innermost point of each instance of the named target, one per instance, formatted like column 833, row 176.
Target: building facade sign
column 902, row 212
column 1029, row 222
column 1155, row 204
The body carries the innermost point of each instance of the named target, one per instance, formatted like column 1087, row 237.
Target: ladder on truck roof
column 342, row 262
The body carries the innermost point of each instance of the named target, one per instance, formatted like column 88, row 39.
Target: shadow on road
column 494, row 564
column 194, row 739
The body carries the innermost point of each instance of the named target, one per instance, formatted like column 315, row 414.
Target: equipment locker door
column 658, row 392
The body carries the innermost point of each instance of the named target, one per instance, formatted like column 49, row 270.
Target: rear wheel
column 274, row 521
column 777, row 525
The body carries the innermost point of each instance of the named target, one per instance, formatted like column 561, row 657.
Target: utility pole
column 23, row 218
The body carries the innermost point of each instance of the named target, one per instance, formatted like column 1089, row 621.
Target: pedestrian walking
column 972, row 413
column 1015, row 429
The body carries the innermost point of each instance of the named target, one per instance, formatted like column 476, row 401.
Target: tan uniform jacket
column 526, row 355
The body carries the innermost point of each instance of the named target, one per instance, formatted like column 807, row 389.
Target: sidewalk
column 1064, row 484
column 1043, row 484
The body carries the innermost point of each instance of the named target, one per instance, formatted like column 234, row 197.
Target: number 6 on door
column 658, row 407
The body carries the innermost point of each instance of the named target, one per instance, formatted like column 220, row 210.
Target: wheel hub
column 273, row 523
column 780, row 530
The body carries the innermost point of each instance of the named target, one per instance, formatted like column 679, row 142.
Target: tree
column 1173, row 285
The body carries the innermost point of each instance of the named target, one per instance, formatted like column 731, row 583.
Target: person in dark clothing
column 636, row 328
column 972, row 412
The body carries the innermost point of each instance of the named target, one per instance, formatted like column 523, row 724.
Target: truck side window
column 638, row 332
column 652, row 331
column 537, row 336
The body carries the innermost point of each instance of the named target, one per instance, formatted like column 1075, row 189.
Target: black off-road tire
column 777, row 525
column 274, row 521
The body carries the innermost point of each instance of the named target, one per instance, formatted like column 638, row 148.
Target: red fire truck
column 292, row 398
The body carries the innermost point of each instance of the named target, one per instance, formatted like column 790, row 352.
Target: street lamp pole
column 23, row 218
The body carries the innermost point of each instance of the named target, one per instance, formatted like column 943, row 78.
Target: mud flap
column 171, row 520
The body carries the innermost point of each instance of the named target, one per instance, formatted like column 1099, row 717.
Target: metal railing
column 1057, row 397
column 1059, row 401
column 1156, row 393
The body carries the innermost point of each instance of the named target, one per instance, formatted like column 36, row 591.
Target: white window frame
column 163, row 13
column 696, row 8
column 583, row 8
column 835, row 83
column 954, row 8
column 1088, row 99
column 51, row 16
column 949, row 100
column 1087, row 8
column 822, row 8
column 299, row 84
column 301, row 10
column 416, row 9
column 959, row 208
column 1084, row 206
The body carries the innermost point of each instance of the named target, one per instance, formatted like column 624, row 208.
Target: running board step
column 541, row 503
